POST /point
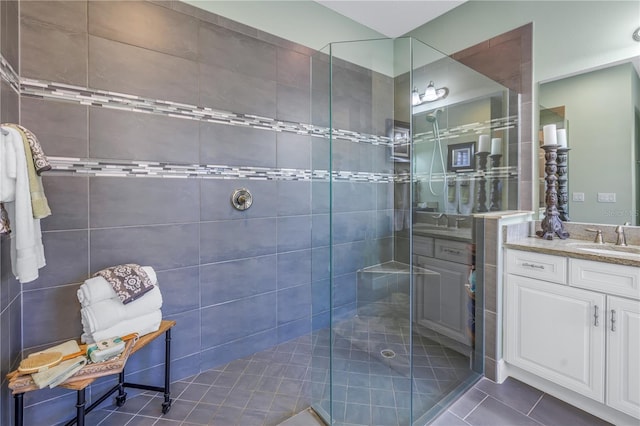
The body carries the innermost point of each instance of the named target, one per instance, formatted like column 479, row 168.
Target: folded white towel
column 109, row 312
column 142, row 325
column 97, row 288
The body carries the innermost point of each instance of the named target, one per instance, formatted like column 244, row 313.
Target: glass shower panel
column 396, row 190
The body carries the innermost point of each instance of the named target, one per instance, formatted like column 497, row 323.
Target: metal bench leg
column 80, row 407
column 19, row 407
column 166, row 405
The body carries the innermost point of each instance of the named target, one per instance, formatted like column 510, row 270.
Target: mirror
column 600, row 111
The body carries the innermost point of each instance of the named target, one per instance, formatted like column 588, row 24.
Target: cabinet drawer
column 621, row 280
column 537, row 265
column 423, row 246
column 453, row 251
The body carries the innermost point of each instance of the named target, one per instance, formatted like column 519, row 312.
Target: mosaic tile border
column 124, row 168
column 126, row 102
column 8, row 74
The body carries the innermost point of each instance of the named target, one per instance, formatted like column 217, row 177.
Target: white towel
column 142, row 325
column 97, row 288
column 109, row 312
column 27, row 252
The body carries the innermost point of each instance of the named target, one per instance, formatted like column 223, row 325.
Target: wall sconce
column 430, row 94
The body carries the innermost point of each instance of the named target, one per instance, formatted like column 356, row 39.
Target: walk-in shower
column 397, row 306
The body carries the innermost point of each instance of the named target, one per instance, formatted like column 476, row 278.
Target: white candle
column 496, row 146
column 549, row 132
column 562, row 137
column 483, row 143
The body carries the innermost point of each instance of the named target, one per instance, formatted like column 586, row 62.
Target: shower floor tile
column 272, row 386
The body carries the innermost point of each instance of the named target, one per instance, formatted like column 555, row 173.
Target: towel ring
column 241, row 199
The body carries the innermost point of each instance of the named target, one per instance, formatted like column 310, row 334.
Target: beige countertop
column 579, row 249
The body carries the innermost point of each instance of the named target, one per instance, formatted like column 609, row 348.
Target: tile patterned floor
column 270, row 387
column 512, row 403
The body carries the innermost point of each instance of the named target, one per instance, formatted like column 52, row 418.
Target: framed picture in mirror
column 400, row 134
column 460, row 157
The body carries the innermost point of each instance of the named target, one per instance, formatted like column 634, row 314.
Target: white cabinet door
column 444, row 298
column 557, row 332
column 623, row 354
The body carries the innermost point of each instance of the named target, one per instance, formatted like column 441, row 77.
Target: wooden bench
column 90, row 372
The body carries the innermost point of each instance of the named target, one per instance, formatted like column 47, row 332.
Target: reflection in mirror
column 601, row 111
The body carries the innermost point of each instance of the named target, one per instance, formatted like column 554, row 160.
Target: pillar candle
column 483, row 143
column 562, row 137
column 549, row 134
column 496, row 146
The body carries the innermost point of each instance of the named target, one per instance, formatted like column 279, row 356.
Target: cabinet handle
column 613, row 320
column 595, row 315
column 452, row 251
column 531, row 265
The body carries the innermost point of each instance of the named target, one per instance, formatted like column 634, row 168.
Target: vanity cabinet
column 623, row 353
column 566, row 322
column 441, row 298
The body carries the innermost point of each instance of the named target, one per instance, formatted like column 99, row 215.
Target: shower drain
column 387, row 353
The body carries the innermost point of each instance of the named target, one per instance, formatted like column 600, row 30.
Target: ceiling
column 391, row 18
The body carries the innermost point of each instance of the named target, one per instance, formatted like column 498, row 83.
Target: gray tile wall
column 10, row 296
column 235, row 282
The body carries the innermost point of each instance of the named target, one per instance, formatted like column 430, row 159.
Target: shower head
column 432, row 117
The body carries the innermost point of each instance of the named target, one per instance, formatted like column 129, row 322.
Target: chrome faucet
column 621, row 240
column 440, row 216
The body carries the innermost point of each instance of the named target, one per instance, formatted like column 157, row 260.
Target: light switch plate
column 578, row 196
column 606, row 197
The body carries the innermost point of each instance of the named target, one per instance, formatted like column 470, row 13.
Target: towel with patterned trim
column 39, row 203
column 129, row 281
column 40, row 160
column 5, row 223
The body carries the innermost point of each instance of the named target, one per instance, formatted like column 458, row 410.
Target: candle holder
column 563, row 180
column 481, row 204
column 496, row 190
column 551, row 224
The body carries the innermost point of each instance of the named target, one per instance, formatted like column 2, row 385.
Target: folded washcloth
column 142, row 325
column 53, row 376
column 97, row 288
column 109, row 312
column 129, row 281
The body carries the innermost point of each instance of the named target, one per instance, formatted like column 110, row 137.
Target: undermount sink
column 609, row 249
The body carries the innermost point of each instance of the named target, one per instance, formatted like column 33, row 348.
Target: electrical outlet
column 578, row 196
column 606, row 197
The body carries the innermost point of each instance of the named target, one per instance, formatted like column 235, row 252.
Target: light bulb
column 415, row 97
column 430, row 93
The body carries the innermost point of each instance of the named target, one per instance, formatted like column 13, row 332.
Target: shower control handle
column 241, row 199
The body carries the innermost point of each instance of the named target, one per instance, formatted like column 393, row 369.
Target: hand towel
column 27, row 252
column 97, row 288
column 35, row 151
column 142, row 325
column 129, row 281
column 39, row 203
column 109, row 312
